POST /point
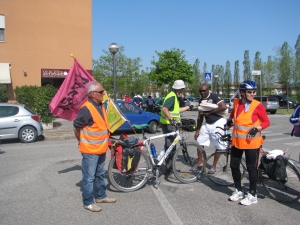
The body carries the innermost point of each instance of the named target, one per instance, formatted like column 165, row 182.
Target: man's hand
column 229, row 123
column 173, row 122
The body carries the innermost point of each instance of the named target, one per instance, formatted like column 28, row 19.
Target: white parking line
column 279, row 139
column 171, row 213
column 292, row 143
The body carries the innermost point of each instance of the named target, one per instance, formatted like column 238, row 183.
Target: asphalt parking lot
column 40, row 183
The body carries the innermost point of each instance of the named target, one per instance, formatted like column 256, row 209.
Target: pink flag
column 72, row 93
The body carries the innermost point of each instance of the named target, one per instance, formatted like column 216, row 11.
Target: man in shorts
column 208, row 130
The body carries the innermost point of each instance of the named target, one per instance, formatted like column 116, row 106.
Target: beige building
column 37, row 38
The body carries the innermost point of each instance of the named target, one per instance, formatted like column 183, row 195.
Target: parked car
column 157, row 105
column 283, row 101
column 192, row 101
column 144, row 104
column 229, row 103
column 17, row 121
column 137, row 116
column 270, row 103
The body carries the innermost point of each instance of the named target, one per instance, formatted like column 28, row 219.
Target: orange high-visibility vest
column 242, row 124
column 94, row 139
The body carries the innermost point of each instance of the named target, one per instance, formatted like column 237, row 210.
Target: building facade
column 37, row 38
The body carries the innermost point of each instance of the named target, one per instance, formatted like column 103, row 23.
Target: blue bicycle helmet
column 248, row 85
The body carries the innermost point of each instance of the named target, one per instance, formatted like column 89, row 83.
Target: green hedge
column 3, row 93
column 37, row 99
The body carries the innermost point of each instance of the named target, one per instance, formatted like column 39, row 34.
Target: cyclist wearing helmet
column 249, row 118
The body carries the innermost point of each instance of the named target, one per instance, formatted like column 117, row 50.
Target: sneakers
column 106, row 200
column 249, row 200
column 93, row 208
column 211, row 171
column 236, row 195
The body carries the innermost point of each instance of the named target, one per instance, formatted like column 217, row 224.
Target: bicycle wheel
column 280, row 191
column 222, row 175
column 132, row 181
column 184, row 159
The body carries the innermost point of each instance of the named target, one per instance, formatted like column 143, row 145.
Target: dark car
column 270, row 103
column 282, row 99
column 157, row 105
column 144, row 104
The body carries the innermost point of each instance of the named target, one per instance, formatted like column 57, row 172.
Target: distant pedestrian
column 150, row 103
column 138, row 100
column 127, row 98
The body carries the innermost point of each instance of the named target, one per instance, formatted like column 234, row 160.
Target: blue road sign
column 207, row 76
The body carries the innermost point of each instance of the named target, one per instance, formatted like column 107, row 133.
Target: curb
column 59, row 136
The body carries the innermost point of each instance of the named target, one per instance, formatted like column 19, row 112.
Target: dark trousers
column 150, row 108
column 251, row 162
column 167, row 128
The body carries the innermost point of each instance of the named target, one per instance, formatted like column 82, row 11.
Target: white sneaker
column 236, row 195
column 249, row 200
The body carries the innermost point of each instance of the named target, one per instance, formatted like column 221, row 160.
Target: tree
column 236, row 75
column 247, row 72
column 127, row 73
column 257, row 65
column 269, row 75
column 219, row 69
column 214, row 79
column 285, row 66
column 297, row 67
column 227, row 79
column 171, row 66
column 198, row 78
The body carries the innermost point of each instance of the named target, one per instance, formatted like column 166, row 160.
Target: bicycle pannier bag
column 274, row 168
column 128, row 153
column 190, row 124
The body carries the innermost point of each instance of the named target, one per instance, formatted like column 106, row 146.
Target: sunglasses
column 100, row 92
column 250, row 92
column 202, row 91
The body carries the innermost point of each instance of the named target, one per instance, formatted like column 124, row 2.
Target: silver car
column 17, row 121
column 270, row 103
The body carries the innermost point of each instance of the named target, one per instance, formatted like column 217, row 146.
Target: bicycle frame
column 155, row 165
column 168, row 151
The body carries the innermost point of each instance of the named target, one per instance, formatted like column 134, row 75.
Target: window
column 2, row 27
column 6, row 111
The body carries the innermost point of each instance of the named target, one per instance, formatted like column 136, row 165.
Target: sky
column 214, row 31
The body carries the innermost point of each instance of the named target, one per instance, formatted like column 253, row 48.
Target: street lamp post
column 217, row 79
column 114, row 48
column 258, row 73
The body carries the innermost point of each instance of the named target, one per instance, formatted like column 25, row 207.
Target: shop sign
column 56, row 73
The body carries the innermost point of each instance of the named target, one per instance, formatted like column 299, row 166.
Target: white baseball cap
column 178, row 84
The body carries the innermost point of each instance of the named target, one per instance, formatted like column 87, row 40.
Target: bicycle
column 283, row 191
column 222, row 175
column 184, row 159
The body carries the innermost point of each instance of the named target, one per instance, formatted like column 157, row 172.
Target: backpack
column 274, row 168
column 150, row 101
column 127, row 153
